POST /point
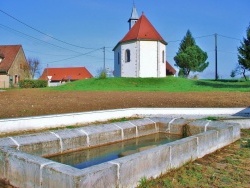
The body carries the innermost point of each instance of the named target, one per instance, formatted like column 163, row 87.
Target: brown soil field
column 33, row 102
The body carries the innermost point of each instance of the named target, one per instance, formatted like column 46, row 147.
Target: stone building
column 13, row 65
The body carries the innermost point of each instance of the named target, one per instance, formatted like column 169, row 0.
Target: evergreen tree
column 187, row 41
column 190, row 56
column 181, row 73
column 244, row 53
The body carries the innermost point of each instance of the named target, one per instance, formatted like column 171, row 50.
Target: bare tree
column 34, row 66
column 239, row 69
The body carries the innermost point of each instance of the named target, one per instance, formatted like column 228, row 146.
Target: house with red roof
column 13, row 65
column 141, row 52
column 170, row 71
column 65, row 74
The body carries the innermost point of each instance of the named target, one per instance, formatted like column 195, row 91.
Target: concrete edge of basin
column 25, row 169
column 13, row 125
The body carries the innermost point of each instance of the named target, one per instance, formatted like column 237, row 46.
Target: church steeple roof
column 134, row 14
column 133, row 18
column 143, row 30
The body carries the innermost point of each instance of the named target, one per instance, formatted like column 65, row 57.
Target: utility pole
column 104, row 58
column 216, row 63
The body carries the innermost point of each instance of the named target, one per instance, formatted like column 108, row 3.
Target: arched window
column 127, row 55
column 163, row 56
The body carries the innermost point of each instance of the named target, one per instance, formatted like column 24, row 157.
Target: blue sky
column 93, row 24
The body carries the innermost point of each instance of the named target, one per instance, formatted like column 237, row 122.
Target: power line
column 6, row 27
column 207, row 36
column 204, row 36
column 193, row 37
column 44, row 53
column 229, row 37
column 81, row 54
column 74, row 56
column 172, row 41
column 41, row 31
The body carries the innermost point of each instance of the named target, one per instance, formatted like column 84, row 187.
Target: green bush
column 32, row 83
column 102, row 74
column 143, row 183
column 248, row 143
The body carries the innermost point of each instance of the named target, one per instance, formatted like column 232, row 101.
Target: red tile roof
column 70, row 73
column 169, row 69
column 9, row 53
column 143, row 30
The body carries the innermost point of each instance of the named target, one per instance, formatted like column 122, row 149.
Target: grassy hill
column 168, row 84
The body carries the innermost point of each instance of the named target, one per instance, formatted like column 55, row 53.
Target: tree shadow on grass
column 227, row 84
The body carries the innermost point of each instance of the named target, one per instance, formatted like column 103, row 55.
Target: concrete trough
column 23, row 165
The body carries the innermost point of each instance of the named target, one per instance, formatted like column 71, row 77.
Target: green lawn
column 169, row 84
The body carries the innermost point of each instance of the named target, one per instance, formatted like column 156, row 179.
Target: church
column 141, row 52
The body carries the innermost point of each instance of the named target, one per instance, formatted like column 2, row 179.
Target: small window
column 127, row 56
column 163, row 56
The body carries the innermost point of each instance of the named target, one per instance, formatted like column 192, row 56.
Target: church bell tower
column 134, row 17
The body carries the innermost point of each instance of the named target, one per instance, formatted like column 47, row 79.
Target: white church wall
column 161, row 63
column 148, row 59
column 145, row 59
column 129, row 69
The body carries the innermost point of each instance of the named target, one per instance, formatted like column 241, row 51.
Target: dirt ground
column 33, row 102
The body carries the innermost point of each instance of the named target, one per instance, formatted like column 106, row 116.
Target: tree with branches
column 244, row 54
column 34, row 67
column 190, row 57
column 239, row 70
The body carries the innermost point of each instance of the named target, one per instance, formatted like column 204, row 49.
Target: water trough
column 23, row 164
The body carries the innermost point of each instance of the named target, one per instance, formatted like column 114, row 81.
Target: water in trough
column 93, row 156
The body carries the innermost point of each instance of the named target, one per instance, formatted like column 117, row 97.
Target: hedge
column 32, row 83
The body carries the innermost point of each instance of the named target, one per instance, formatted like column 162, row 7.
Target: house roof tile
column 8, row 55
column 169, row 69
column 69, row 73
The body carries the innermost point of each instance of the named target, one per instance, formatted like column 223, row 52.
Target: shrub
column 143, row 183
column 248, row 143
column 102, row 74
column 32, row 83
